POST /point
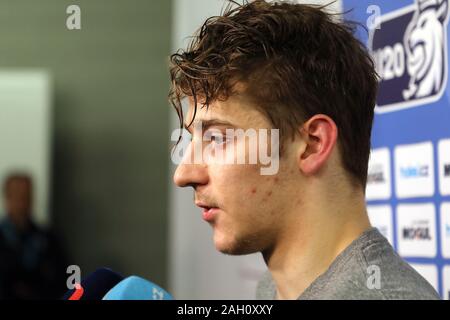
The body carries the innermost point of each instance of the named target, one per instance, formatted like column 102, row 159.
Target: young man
column 294, row 68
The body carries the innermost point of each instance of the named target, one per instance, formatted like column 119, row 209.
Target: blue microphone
column 136, row 288
column 94, row 286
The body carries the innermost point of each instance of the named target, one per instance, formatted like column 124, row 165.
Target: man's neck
column 311, row 242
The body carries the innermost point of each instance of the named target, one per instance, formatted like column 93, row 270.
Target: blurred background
column 85, row 164
column 84, row 112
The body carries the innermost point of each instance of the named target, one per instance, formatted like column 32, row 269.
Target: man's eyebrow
column 209, row 123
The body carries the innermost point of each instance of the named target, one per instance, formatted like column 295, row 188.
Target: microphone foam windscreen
column 136, row 288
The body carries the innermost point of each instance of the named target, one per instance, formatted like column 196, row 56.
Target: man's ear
column 319, row 134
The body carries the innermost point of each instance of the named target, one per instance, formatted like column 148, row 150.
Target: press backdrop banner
column 408, row 190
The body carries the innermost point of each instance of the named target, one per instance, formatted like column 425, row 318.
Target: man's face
column 249, row 208
column 18, row 199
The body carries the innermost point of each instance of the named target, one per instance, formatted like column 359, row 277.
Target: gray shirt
column 351, row 275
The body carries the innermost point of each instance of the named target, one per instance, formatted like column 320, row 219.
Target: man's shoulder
column 370, row 269
column 398, row 280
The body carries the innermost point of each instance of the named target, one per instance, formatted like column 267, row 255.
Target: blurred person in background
column 32, row 263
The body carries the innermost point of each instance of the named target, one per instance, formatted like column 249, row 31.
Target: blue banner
column 408, row 189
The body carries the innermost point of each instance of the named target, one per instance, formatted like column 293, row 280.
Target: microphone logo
column 78, row 292
column 158, row 294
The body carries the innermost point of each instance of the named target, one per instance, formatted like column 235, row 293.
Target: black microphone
column 94, row 286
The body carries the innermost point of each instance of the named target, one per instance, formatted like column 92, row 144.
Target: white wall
column 25, row 98
column 197, row 270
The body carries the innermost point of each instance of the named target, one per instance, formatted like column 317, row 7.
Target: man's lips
column 208, row 213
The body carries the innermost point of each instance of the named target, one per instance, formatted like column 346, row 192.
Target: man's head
column 286, row 66
column 17, row 191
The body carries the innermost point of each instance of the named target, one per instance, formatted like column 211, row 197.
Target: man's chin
column 233, row 247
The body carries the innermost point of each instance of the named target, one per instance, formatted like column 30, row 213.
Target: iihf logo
column 410, row 53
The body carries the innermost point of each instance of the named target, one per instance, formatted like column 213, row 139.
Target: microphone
column 136, row 288
column 94, row 286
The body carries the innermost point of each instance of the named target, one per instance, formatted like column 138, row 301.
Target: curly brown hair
column 296, row 61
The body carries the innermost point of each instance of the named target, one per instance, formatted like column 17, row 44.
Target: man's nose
column 190, row 173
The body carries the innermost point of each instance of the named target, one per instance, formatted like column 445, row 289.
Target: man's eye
column 215, row 136
column 218, row 139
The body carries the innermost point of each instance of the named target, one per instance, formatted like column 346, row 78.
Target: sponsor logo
column 416, row 233
column 379, row 175
column 414, row 172
column 447, row 170
column 444, row 166
column 380, row 216
column 409, row 47
column 445, row 229
column 446, row 282
column 376, row 174
column 416, row 230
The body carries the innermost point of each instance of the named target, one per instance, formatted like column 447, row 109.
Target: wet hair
column 295, row 61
